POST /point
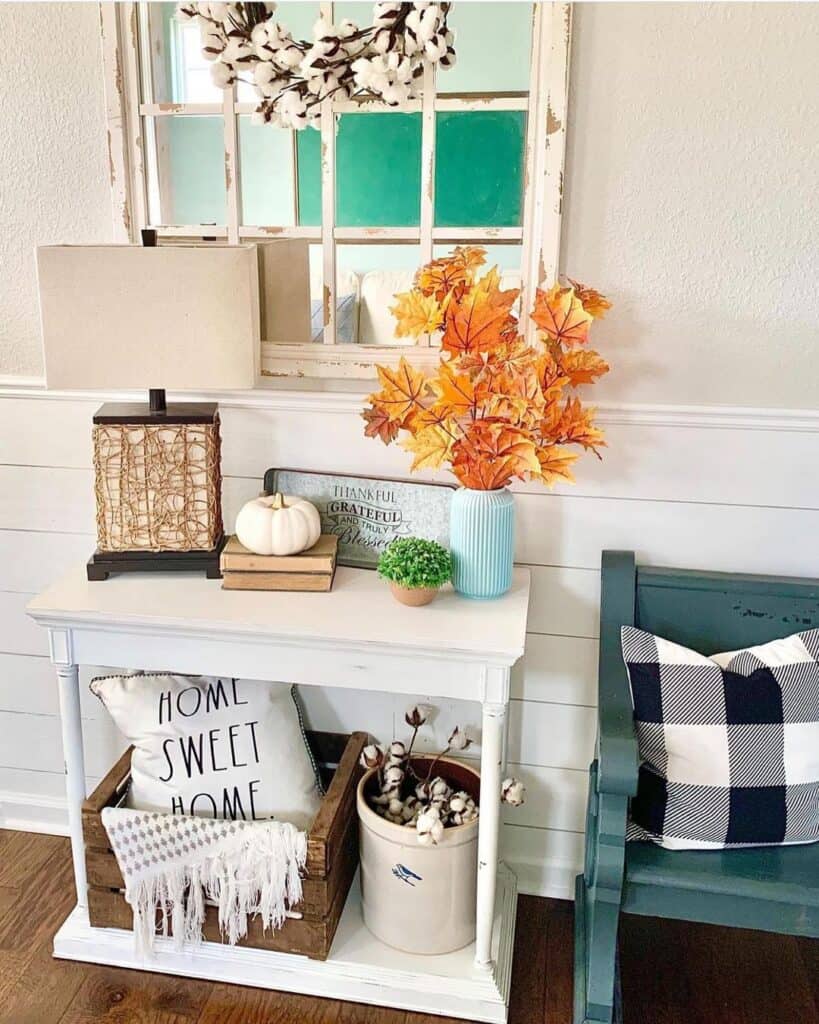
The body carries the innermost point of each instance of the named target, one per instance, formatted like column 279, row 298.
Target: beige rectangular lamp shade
column 175, row 317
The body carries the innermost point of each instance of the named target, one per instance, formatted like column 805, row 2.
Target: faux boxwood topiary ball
column 414, row 563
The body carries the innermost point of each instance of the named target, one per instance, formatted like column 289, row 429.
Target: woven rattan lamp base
column 158, row 487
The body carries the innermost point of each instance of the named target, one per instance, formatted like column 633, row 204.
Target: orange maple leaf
column 402, row 390
column 582, row 366
column 379, row 425
column 430, row 447
column 555, row 463
column 441, row 277
column 456, row 392
column 510, row 389
column 481, row 320
column 575, row 425
column 469, row 256
column 416, row 314
column 491, row 453
column 593, row 302
column 561, row 315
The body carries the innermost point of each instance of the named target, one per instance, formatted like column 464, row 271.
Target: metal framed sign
column 366, row 512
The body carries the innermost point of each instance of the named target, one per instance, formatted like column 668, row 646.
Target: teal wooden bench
column 770, row 888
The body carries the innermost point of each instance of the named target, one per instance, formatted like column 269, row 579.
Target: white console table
column 356, row 636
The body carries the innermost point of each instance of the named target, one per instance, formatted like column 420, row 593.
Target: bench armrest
column 617, row 751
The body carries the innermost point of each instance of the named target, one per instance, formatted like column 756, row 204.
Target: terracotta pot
column 419, row 899
column 412, row 596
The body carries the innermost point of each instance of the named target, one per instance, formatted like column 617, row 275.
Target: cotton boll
column 381, row 40
column 258, row 34
column 429, row 23
column 403, row 72
column 458, row 739
column 429, row 829
column 435, row 48
column 449, row 60
column 394, row 94
column 457, row 804
column 263, row 74
column 411, row 44
column 372, row 755
column 236, row 50
column 277, row 35
column 288, row 57
column 394, row 776
column 397, row 750
column 513, row 792
column 347, row 28
column 222, row 75
column 323, row 27
column 410, row 808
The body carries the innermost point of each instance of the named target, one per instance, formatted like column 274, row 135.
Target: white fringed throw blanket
column 175, row 864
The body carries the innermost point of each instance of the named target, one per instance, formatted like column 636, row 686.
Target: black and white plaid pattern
column 729, row 744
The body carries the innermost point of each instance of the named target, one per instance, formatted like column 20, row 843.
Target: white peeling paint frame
column 128, row 106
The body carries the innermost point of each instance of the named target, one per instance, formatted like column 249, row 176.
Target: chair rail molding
column 304, row 396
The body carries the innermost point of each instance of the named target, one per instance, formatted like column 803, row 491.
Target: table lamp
column 129, row 317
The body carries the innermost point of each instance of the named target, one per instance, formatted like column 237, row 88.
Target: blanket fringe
column 258, row 875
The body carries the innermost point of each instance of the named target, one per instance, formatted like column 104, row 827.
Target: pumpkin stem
column 278, row 501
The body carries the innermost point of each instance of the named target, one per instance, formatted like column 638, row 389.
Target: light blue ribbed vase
column 482, row 542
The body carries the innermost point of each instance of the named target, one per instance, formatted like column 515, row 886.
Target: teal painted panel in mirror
column 308, row 172
column 479, row 168
column 378, row 170
column 192, row 163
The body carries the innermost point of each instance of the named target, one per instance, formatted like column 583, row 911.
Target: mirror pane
column 367, row 279
column 493, row 43
column 479, row 168
column 190, row 170
column 267, row 172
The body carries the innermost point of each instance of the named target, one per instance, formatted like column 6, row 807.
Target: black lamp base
column 103, row 564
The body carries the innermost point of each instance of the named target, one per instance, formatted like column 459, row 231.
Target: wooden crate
column 332, row 854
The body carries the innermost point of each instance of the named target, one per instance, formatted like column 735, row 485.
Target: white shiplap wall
column 719, row 489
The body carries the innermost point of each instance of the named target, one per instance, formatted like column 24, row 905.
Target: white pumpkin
column 278, row 524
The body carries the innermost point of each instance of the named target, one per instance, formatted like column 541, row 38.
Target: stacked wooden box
column 332, row 854
column 312, row 569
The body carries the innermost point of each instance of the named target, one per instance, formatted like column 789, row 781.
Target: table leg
column 494, row 719
column 69, row 689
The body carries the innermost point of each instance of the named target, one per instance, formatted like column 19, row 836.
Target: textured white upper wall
column 691, row 188
column 53, row 160
column 692, row 198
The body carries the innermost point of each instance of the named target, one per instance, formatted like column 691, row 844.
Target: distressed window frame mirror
column 130, row 54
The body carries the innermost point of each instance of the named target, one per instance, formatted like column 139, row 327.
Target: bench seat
column 735, row 887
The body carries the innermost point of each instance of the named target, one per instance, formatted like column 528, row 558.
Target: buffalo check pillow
column 729, row 744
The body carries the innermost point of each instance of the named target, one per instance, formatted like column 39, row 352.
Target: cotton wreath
column 384, row 61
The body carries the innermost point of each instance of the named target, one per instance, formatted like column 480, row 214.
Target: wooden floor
column 673, row 973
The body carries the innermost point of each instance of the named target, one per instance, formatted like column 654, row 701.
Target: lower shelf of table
column 360, row 968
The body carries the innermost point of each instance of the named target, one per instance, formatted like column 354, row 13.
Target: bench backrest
column 713, row 612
